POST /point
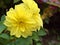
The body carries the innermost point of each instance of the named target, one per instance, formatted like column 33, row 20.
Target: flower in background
column 24, row 19
column 53, row 7
column 53, row 1
column 41, row 1
column 45, row 0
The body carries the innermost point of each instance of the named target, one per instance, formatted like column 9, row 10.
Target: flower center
column 20, row 22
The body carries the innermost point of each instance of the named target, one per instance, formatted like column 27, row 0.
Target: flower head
column 24, row 19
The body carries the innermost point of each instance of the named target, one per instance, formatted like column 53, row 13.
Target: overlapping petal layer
column 24, row 19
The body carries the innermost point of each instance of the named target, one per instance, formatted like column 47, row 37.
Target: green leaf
column 12, row 43
column 35, row 36
column 12, row 37
column 3, row 41
column 38, row 44
column 2, row 27
column 16, row 1
column 21, row 41
column 42, row 32
column 3, row 18
column 5, row 36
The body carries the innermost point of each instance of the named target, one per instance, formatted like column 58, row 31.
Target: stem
column 51, row 3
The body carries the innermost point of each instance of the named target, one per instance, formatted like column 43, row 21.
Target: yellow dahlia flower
column 24, row 19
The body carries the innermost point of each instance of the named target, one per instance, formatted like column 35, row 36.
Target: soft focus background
column 50, row 11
